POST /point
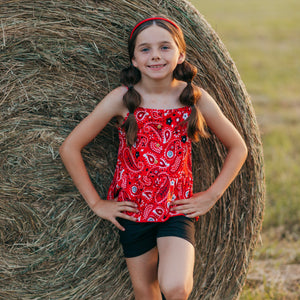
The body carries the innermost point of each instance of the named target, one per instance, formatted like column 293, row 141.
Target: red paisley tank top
column 157, row 169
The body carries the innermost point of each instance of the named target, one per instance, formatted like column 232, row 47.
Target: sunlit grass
column 282, row 176
column 267, row 292
column 262, row 37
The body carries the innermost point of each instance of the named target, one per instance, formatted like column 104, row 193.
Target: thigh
column 179, row 226
column 143, row 275
column 138, row 238
column 176, row 262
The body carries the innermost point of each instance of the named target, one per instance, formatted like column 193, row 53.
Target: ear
column 181, row 58
column 133, row 61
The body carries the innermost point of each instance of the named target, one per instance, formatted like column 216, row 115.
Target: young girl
column 151, row 199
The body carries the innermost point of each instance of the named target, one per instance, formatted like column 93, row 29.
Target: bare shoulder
column 207, row 104
column 112, row 104
column 205, row 96
column 217, row 121
column 118, row 92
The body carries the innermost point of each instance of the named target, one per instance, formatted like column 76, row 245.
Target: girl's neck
column 157, row 87
column 160, row 94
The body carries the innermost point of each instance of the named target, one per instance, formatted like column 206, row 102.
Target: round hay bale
column 57, row 60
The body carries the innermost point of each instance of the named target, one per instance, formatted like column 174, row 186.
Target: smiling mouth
column 156, row 66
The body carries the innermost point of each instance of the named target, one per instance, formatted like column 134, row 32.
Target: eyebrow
column 146, row 44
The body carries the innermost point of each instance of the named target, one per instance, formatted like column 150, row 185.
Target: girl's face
column 156, row 54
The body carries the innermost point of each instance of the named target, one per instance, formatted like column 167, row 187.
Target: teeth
column 155, row 67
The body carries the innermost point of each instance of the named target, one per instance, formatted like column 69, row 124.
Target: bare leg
column 176, row 265
column 143, row 274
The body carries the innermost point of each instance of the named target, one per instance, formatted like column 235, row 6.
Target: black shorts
column 139, row 238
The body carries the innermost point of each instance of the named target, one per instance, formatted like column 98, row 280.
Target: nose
column 155, row 55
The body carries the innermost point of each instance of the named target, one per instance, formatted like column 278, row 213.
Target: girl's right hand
column 113, row 209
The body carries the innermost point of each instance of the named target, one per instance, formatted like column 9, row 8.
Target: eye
column 144, row 49
column 165, row 47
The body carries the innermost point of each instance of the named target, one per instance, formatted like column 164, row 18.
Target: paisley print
column 157, row 169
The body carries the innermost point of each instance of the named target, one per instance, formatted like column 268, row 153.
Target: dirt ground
column 275, row 269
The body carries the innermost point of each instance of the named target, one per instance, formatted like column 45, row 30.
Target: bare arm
column 202, row 202
column 70, row 152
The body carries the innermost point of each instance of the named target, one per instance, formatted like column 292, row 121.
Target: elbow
column 239, row 151
column 68, row 149
column 244, row 151
column 64, row 149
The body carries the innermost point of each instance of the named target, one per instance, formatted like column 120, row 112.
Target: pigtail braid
column 190, row 97
column 132, row 100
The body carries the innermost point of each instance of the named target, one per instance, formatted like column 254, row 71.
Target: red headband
column 150, row 19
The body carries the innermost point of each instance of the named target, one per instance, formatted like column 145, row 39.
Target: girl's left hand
column 195, row 206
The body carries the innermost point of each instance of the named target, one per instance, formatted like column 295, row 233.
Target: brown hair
column 185, row 72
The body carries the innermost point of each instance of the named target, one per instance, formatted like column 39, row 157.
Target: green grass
column 262, row 37
column 269, row 292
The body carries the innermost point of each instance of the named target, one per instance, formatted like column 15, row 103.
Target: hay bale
column 57, row 60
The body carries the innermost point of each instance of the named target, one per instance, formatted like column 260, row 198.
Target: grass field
column 263, row 38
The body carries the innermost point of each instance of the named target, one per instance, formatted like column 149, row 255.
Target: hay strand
column 57, row 60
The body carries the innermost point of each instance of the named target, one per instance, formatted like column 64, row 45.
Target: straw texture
column 57, row 60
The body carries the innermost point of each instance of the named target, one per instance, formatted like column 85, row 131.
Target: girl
column 152, row 203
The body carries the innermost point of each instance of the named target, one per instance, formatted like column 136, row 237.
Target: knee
column 176, row 291
column 147, row 292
